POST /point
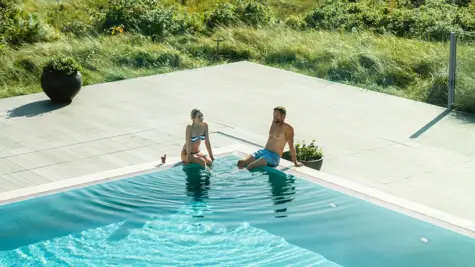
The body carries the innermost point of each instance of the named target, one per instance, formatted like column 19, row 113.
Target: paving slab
column 410, row 149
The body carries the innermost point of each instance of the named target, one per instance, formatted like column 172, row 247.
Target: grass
column 412, row 69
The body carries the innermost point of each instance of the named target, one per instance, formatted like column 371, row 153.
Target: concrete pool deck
column 401, row 147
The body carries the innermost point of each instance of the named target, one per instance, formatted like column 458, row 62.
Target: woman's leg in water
column 194, row 159
column 207, row 159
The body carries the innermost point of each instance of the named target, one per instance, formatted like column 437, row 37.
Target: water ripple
column 180, row 217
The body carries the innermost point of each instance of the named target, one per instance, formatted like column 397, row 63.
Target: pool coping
column 436, row 217
column 99, row 177
column 374, row 196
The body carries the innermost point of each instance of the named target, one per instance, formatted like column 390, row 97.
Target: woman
column 195, row 133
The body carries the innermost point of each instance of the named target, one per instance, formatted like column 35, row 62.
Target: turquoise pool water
column 184, row 216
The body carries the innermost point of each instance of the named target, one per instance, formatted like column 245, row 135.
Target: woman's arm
column 208, row 143
column 188, row 142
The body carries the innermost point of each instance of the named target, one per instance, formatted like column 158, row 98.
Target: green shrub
column 399, row 22
column 9, row 14
column 128, row 13
column 3, row 47
column 150, row 19
column 466, row 18
column 308, row 152
column 158, row 23
column 189, row 23
column 430, row 20
column 66, row 65
column 224, row 14
column 18, row 27
column 76, row 18
column 295, row 22
column 435, row 20
column 462, row 3
column 254, row 14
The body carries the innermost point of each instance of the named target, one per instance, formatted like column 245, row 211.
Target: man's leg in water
column 243, row 163
column 257, row 163
column 265, row 158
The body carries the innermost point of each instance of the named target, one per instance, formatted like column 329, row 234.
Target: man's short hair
column 281, row 109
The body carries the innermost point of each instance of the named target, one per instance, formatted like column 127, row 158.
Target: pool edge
column 374, row 196
column 99, row 177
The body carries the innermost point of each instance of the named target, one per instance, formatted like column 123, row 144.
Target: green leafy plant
column 18, row 27
column 224, row 14
column 62, row 64
column 254, row 14
column 308, row 152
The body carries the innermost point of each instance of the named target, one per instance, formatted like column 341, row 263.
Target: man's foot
column 245, row 161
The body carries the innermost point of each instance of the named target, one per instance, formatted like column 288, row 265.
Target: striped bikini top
column 194, row 139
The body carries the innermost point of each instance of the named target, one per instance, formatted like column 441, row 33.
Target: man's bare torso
column 277, row 138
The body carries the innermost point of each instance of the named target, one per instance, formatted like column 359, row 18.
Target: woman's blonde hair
column 194, row 112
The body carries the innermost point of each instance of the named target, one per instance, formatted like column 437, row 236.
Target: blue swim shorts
column 272, row 158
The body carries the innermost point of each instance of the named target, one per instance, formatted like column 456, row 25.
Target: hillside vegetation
column 396, row 47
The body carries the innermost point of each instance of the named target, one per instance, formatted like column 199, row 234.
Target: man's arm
column 290, row 141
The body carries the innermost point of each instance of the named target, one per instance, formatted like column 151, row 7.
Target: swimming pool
column 184, row 216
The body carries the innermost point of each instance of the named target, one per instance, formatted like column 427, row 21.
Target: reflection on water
column 198, row 183
column 283, row 191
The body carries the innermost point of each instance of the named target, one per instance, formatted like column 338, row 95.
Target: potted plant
column 61, row 79
column 310, row 155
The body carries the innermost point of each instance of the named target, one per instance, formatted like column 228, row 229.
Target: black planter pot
column 60, row 87
column 314, row 164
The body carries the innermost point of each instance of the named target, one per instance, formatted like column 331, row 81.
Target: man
column 280, row 134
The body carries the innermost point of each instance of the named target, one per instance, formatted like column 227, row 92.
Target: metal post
column 218, row 40
column 452, row 66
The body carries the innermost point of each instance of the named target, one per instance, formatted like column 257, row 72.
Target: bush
column 3, row 47
column 9, row 14
column 430, row 20
column 295, row 22
column 466, row 18
column 150, row 19
column 75, row 18
column 17, row 27
column 435, row 20
column 308, row 152
column 127, row 13
column 158, row 23
column 189, row 24
column 62, row 64
column 254, row 14
column 224, row 14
